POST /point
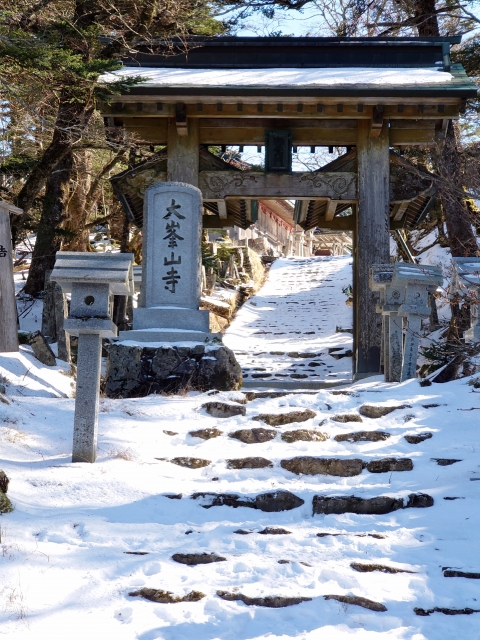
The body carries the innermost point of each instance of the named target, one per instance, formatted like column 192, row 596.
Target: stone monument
column 466, row 283
column 169, row 301
column 8, row 308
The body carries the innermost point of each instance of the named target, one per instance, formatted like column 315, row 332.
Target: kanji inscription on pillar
column 173, row 243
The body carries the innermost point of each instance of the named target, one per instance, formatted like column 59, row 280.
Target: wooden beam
column 372, row 243
column 215, row 222
column 181, row 118
column 376, row 122
column 330, row 212
column 216, row 185
column 183, row 153
column 150, row 107
column 222, row 208
column 398, row 210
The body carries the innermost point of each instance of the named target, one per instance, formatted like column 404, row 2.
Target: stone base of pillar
column 134, row 371
column 168, row 335
column 172, row 318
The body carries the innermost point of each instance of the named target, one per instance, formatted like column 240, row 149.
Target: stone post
column 87, row 399
column 466, row 283
column 8, row 308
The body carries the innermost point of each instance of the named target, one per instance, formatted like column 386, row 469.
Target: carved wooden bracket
column 217, row 185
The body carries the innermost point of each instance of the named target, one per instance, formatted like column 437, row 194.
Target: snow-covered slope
column 83, row 537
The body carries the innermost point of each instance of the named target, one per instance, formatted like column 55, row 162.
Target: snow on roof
column 176, row 77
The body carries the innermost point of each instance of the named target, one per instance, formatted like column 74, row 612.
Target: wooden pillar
column 8, row 308
column 183, row 152
column 373, row 242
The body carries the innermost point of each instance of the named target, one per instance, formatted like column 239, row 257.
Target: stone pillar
column 372, row 242
column 8, row 308
column 86, row 402
column 171, row 274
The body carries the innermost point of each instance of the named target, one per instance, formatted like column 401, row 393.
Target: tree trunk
column 76, row 235
column 48, row 237
column 426, row 18
column 462, row 240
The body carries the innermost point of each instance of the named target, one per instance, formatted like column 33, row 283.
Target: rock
column 4, row 399
column 273, row 602
column 270, row 502
column 450, row 371
column 249, row 463
column 450, row 573
column 377, row 536
column 206, row 434
column 345, row 353
column 243, row 532
column 173, row 496
column 274, row 531
column 191, row 463
column 449, row 612
column 253, row 436
column 193, row 559
column 6, row 506
column 351, row 504
column 419, row 501
column 3, row 389
column 170, row 433
column 4, row 482
column 255, row 395
column 347, row 417
column 166, row 597
column 368, row 568
column 135, row 371
column 389, row 464
column 359, row 601
column 362, row 436
column 304, row 435
column 279, row 419
column 377, row 411
column 418, row 437
column 445, row 462
column 41, row 349
column 311, row 466
column 224, row 410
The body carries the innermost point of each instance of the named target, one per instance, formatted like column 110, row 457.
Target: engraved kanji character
column 172, row 235
column 173, row 209
column 172, row 260
column 171, row 279
column 3, row 251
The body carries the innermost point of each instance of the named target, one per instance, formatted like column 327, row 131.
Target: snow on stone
column 68, row 550
column 175, row 77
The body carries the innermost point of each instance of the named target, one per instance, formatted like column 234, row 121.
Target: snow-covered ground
column 285, row 332
column 70, row 549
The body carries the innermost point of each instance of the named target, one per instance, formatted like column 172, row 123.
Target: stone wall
column 136, row 371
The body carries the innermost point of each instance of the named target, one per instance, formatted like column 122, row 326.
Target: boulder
column 446, row 462
column 377, row 411
column 390, row 464
column 273, row 602
column 368, row 568
column 274, row 531
column 136, row 371
column 41, row 349
column 205, row 434
column 351, row 504
column 347, row 417
column 192, row 559
column 191, row 463
column 279, row 419
column 166, row 597
column 450, row 573
column 253, row 436
column 311, row 466
column 304, row 435
column 224, row 409
column 448, row 612
column 249, row 463
column 359, row 602
column 270, row 502
column 362, row 436
column 418, row 437
column 419, row 501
